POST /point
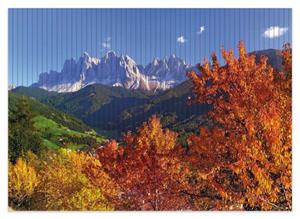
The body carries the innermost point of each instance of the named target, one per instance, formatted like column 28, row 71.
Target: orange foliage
column 147, row 169
column 248, row 154
column 244, row 162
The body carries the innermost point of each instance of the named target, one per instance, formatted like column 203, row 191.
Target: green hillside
column 174, row 109
column 113, row 110
column 49, row 112
column 59, row 129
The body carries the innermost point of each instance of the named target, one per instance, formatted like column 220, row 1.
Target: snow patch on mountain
column 114, row 70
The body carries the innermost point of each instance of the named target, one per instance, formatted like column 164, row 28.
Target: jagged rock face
column 169, row 71
column 114, row 70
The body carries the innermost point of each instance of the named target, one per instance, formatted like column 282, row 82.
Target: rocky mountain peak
column 114, row 70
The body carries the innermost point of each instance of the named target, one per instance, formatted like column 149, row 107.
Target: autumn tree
column 147, row 169
column 22, row 183
column 63, row 180
column 56, row 180
column 247, row 155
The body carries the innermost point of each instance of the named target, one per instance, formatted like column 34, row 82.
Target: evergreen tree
column 23, row 136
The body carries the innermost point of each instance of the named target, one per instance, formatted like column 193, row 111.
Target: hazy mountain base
column 114, row 110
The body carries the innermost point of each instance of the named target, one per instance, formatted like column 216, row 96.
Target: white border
column 5, row 4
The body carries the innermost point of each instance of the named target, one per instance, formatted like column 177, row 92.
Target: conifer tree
column 23, row 136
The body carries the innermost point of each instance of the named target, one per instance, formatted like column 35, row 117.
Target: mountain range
column 123, row 71
column 112, row 109
column 116, row 71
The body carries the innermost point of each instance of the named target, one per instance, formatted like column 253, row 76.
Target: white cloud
column 106, row 43
column 275, row 31
column 201, row 30
column 181, row 40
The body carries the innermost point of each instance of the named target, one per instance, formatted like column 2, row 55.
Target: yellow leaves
column 153, row 137
column 88, row 199
column 23, row 180
column 101, row 179
column 244, row 138
column 62, row 177
column 265, row 183
column 58, row 182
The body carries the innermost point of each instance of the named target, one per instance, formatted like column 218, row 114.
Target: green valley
column 58, row 129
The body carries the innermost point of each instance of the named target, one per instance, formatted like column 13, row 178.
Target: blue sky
column 42, row 39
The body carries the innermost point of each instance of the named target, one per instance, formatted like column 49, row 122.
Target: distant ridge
column 123, row 71
column 116, row 71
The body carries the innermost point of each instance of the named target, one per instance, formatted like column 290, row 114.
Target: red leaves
column 109, row 151
column 287, row 58
column 147, row 168
column 244, row 162
column 253, row 107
